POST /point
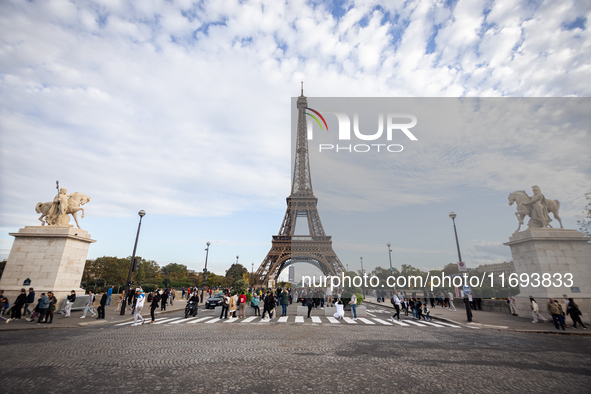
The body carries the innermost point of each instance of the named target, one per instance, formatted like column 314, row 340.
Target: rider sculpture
column 56, row 213
column 537, row 207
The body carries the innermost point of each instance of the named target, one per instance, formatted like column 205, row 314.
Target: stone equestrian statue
column 64, row 204
column 537, row 207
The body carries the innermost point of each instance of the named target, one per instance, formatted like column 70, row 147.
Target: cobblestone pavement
column 276, row 357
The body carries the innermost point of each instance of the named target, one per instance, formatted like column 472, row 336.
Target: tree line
column 107, row 271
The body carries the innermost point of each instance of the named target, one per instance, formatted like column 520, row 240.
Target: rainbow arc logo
column 316, row 119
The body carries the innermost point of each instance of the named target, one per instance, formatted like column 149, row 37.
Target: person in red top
column 242, row 304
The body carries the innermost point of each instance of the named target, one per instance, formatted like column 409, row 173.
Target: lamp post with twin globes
column 453, row 216
column 391, row 268
column 132, row 266
column 205, row 270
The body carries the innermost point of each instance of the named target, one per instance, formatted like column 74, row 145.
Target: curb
column 81, row 324
column 494, row 327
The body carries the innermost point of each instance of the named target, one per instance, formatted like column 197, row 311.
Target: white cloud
column 185, row 107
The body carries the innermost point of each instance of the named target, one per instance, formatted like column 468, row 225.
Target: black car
column 213, row 301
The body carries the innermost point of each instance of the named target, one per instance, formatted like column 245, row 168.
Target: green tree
column 240, row 285
column 236, row 271
column 107, row 269
column 585, row 224
column 451, row 268
column 213, row 280
column 147, row 270
column 175, row 271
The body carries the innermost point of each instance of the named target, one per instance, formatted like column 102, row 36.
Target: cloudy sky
column 182, row 108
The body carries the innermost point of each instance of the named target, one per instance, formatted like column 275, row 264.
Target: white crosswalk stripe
column 301, row 319
column 401, row 323
column 450, row 325
column 166, row 320
column 183, row 321
column 198, row 320
column 415, row 323
column 433, row 324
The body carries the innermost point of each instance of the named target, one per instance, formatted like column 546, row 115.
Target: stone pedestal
column 553, row 251
column 53, row 258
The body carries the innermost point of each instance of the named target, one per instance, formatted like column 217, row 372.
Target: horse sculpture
column 74, row 205
column 520, row 197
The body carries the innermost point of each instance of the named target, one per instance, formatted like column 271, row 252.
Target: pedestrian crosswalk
column 367, row 321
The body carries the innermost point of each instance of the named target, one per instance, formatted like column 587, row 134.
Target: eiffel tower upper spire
column 302, row 180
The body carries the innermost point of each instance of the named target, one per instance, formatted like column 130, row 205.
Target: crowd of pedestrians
column 420, row 310
column 558, row 314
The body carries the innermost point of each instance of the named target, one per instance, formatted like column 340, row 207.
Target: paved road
column 290, row 357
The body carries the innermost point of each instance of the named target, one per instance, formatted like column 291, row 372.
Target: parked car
column 213, row 301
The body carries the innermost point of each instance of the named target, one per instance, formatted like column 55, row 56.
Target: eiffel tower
column 288, row 248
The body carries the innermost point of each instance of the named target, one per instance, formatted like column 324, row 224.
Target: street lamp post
column 236, row 271
column 362, row 273
column 132, row 266
column 205, row 270
column 452, row 215
column 391, row 268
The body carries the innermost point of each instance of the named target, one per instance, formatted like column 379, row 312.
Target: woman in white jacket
column 340, row 310
column 138, row 308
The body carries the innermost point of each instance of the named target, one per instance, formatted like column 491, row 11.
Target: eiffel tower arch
column 287, row 247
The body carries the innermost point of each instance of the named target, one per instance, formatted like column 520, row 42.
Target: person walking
column 109, row 295
column 242, row 305
column 309, row 302
column 30, row 300
column 512, row 305
column 89, row 305
column 51, row 309
column 120, row 300
column 154, row 304
column 19, row 303
column 405, row 305
column 43, row 306
column 164, row 301
column 396, row 302
column 419, row 308
column 573, row 310
column 554, row 311
column 3, row 303
column 284, row 301
column 102, row 305
column 450, row 296
column 139, row 305
column 353, row 304
column 427, row 313
column 536, row 311
column 562, row 314
column 255, row 304
column 411, row 304
column 226, row 305
column 232, row 305
column 269, row 305
column 69, row 301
